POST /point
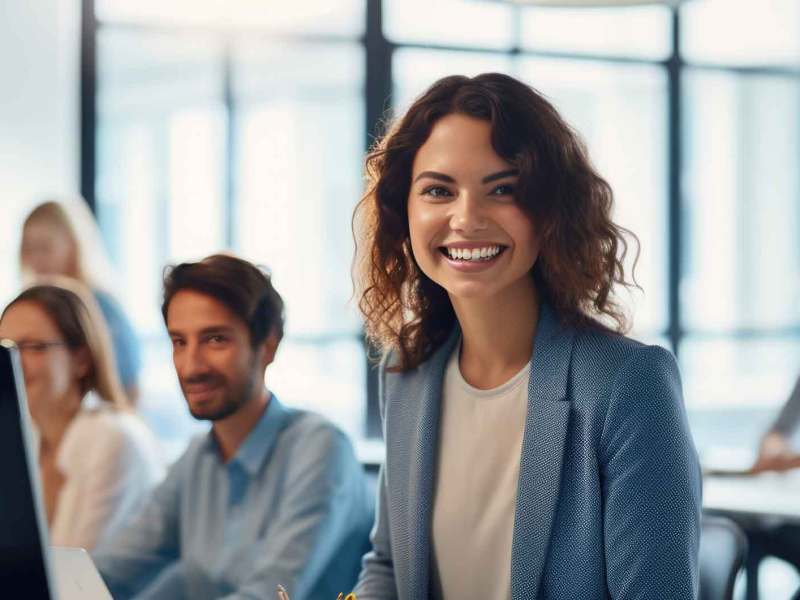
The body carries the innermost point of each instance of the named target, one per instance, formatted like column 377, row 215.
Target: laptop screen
column 22, row 562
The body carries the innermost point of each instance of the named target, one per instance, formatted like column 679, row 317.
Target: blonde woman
column 97, row 459
column 62, row 238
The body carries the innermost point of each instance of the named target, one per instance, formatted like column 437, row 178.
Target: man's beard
column 233, row 398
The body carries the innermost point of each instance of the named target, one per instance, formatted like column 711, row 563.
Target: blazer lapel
column 542, row 454
column 423, row 457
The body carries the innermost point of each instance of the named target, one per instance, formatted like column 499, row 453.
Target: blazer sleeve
column 376, row 581
column 651, row 483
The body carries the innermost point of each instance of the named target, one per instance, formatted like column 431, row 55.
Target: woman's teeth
column 486, row 253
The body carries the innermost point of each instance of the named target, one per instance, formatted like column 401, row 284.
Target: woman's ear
column 81, row 362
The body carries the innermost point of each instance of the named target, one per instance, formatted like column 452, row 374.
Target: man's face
column 218, row 369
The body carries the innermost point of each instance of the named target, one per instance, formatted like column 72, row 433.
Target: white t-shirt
column 480, row 443
column 110, row 461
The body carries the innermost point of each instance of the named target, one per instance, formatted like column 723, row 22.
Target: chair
column 723, row 548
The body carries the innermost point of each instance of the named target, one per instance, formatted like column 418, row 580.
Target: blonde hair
column 77, row 315
column 72, row 216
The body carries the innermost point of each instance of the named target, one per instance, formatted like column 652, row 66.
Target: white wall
column 39, row 110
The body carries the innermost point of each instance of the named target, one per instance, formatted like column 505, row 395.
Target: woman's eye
column 503, row 190
column 436, row 191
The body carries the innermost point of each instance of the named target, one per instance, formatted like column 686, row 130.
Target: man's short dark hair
column 242, row 287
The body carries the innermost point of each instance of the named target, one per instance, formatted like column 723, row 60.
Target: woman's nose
column 468, row 214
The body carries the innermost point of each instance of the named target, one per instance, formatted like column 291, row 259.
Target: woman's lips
column 472, row 266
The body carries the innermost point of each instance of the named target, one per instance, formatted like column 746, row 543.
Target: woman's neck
column 54, row 425
column 497, row 334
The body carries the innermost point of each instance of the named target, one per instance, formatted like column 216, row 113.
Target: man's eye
column 216, row 339
column 436, row 191
column 176, row 343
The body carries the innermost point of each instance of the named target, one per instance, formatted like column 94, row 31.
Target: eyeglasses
column 37, row 347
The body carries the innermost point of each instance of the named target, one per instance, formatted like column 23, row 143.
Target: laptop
column 28, row 566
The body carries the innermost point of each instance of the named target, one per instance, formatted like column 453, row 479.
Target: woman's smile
column 472, row 258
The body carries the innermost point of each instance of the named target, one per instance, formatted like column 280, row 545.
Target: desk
column 770, row 496
column 756, row 503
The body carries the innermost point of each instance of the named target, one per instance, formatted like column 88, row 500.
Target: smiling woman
column 97, row 459
column 532, row 451
column 455, row 137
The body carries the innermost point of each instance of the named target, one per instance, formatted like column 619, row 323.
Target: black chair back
column 723, row 549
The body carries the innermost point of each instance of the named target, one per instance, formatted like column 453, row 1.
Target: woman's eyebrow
column 434, row 175
column 448, row 179
column 500, row 175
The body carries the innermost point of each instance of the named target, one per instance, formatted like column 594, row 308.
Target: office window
column 741, row 32
column 740, row 273
column 159, row 137
column 300, row 138
column 635, row 32
column 740, row 290
column 742, row 214
column 337, row 17
column 452, row 23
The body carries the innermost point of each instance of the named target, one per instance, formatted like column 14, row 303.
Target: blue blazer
column 609, row 496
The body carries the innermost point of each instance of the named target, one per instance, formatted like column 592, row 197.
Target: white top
column 480, row 443
column 110, row 462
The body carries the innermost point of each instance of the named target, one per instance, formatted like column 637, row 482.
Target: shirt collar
column 258, row 444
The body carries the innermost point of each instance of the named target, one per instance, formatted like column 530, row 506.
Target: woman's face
column 467, row 232
column 52, row 370
column 47, row 249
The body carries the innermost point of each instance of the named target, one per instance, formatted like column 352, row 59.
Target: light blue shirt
column 290, row 508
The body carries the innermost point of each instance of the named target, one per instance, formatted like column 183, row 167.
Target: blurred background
column 192, row 127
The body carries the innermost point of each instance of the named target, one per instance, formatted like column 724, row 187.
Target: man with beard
column 270, row 495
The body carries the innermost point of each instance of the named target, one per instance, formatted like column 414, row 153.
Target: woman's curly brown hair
column 569, row 203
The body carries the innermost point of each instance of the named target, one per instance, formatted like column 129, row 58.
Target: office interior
column 194, row 127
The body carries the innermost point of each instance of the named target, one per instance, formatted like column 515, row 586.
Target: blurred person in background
column 270, row 495
column 777, row 453
column 97, row 459
column 61, row 237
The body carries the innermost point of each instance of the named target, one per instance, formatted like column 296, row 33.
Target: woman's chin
column 468, row 291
